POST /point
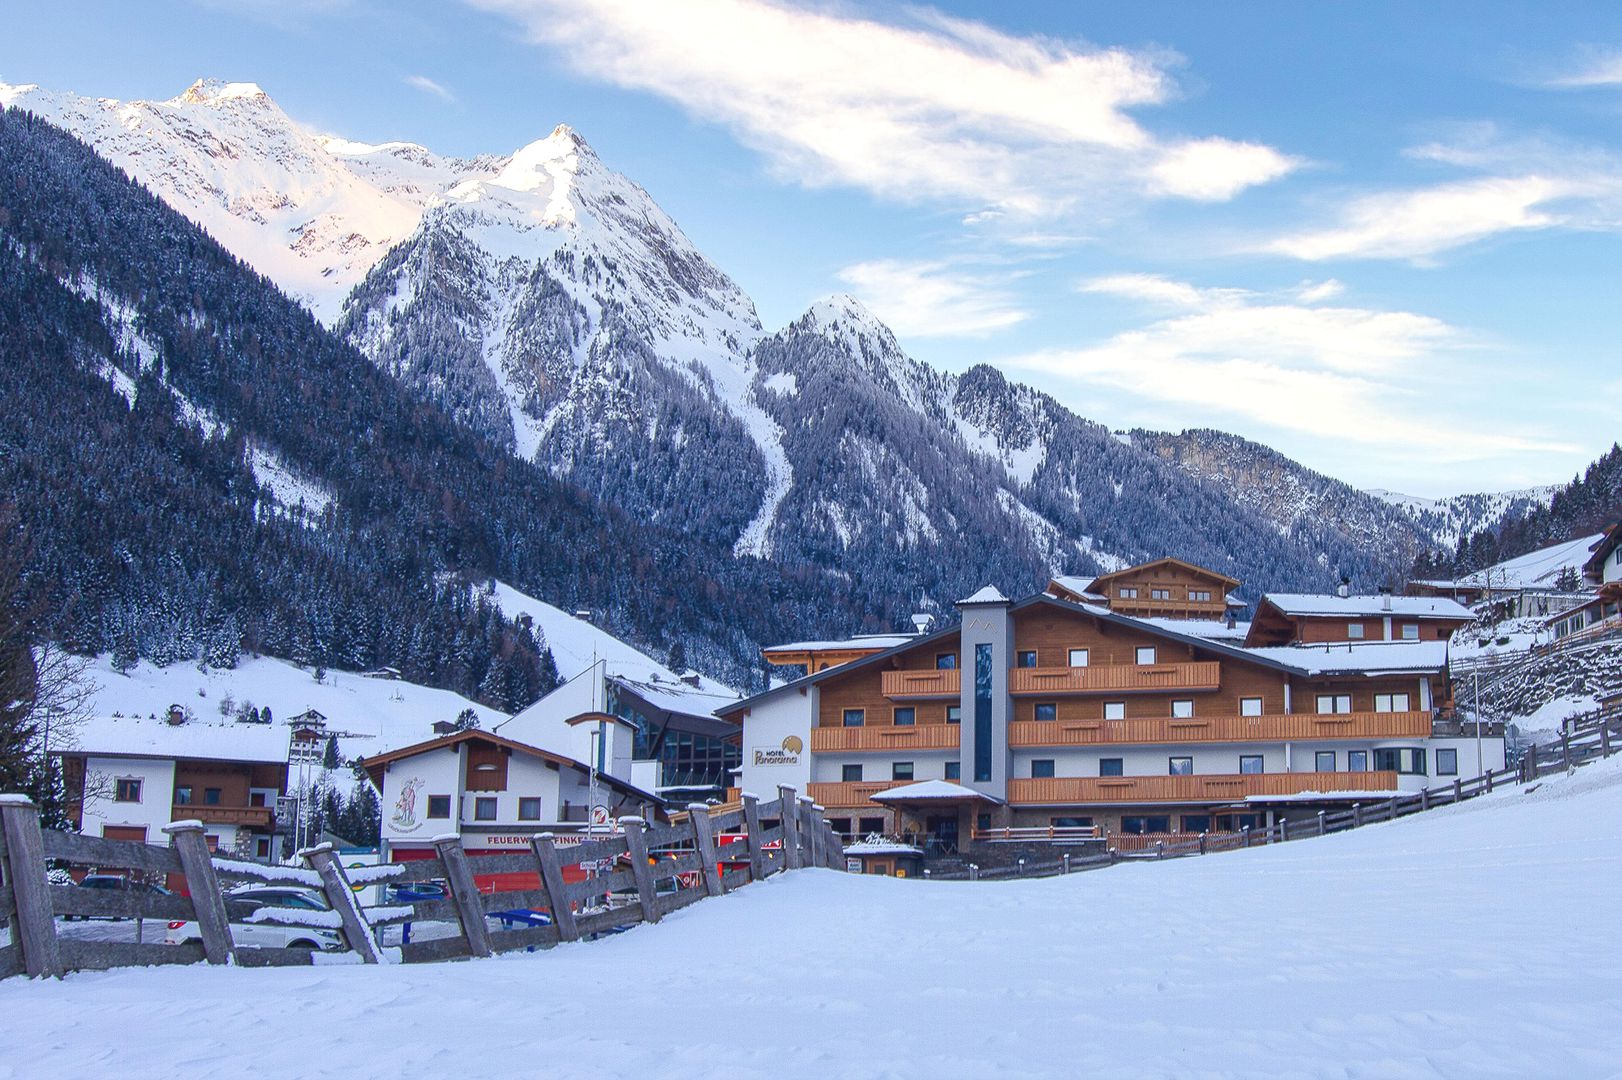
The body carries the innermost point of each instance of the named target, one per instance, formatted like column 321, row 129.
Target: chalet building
column 496, row 793
column 1600, row 609
column 1539, row 584
column 1064, row 717
column 128, row 777
column 1292, row 618
column 1165, row 588
column 676, row 745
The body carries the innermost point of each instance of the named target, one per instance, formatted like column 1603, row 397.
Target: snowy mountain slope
column 1361, row 954
column 1455, row 517
column 312, row 213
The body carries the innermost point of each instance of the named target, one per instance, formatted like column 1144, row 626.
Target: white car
column 256, row 931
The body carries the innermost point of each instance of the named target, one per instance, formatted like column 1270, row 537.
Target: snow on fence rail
column 1594, row 736
column 645, row 873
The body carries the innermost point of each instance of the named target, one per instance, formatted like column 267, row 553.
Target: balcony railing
column 850, row 792
column 885, row 737
column 1116, row 678
column 252, row 816
column 1203, row 729
column 926, row 683
column 1079, row 790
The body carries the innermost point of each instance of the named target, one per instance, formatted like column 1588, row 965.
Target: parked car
column 116, row 883
column 408, row 892
column 243, row 902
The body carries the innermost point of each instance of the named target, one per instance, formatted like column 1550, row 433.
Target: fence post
column 1244, row 832
column 1605, row 738
column 469, row 910
column 1391, row 810
column 1458, row 790
column 836, row 849
column 1489, row 783
column 805, row 825
column 816, row 846
column 1067, row 854
column 335, row 883
column 206, row 899
column 791, row 826
column 698, row 816
column 557, row 898
column 1529, row 765
column 751, row 824
column 1202, row 845
column 1424, row 798
column 34, row 925
column 1320, row 823
column 1283, row 830
column 1565, row 749
column 1357, row 815
column 636, row 844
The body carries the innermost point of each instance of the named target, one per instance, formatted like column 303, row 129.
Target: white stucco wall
column 764, row 731
column 436, row 772
column 157, row 794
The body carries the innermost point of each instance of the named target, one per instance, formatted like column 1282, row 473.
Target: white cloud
column 1414, row 224
column 1343, row 374
column 1312, row 292
column 1599, row 68
column 429, row 86
column 938, row 108
column 932, row 299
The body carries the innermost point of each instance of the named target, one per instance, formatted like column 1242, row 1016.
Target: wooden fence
column 1591, row 737
column 645, row 873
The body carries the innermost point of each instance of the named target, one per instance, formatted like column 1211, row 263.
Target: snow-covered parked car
column 273, row 917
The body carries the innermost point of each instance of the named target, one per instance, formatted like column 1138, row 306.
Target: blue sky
column 1381, row 237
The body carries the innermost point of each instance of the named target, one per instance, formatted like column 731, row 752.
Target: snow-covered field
column 1473, row 941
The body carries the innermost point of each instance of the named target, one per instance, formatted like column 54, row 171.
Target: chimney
column 1345, row 588
column 922, row 622
column 1385, row 598
column 176, row 715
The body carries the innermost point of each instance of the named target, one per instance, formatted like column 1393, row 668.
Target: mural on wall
column 405, row 817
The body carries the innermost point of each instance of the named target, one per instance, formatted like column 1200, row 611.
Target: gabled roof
column 933, row 791
column 1310, row 605
column 988, row 594
column 375, row 764
column 1230, row 583
column 1601, row 550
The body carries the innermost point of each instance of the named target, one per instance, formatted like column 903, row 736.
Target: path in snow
column 1459, row 943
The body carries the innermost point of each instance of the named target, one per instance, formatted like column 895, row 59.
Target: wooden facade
column 1166, row 588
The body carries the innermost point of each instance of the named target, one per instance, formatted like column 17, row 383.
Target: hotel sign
column 786, row 754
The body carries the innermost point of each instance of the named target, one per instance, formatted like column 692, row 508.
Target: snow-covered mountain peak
column 215, row 91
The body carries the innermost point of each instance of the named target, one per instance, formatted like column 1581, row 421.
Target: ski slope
column 1473, row 941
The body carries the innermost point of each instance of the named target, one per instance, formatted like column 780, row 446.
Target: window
column 1114, row 710
column 1146, row 654
column 1410, row 631
column 1250, row 706
column 1111, row 766
column 871, row 825
column 211, row 796
column 1354, row 630
column 1200, row 596
column 906, row 716
column 954, row 770
column 1390, row 702
column 1182, row 710
column 127, row 791
column 183, row 795
column 1047, row 710
column 1042, row 769
column 850, row 774
column 1197, row 823
column 1079, row 657
column 1140, row 824
column 1334, row 703
column 855, row 717
column 954, row 714
column 1323, row 761
column 1180, row 766
column 1071, row 822
column 1027, row 658
column 1127, row 593
column 1357, row 761
column 1403, row 759
column 439, row 806
column 982, row 713
column 901, row 770
column 484, row 808
column 529, row 809
column 261, row 847
column 1447, row 762
column 211, row 841
column 982, row 821
column 840, row 825
column 1250, row 763
column 1160, row 594
column 946, row 661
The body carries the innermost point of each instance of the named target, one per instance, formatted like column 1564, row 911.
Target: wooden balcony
column 926, row 683
column 1083, row 790
column 850, row 793
column 1116, row 678
column 1211, row 729
column 249, row 816
column 885, row 737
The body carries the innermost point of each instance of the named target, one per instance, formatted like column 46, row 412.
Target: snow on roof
column 1535, row 569
column 368, row 715
column 860, row 641
column 679, row 697
column 1370, row 657
column 1210, row 629
column 1324, row 796
column 140, row 736
column 1412, row 607
column 988, row 595
column 931, row 789
column 880, row 846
